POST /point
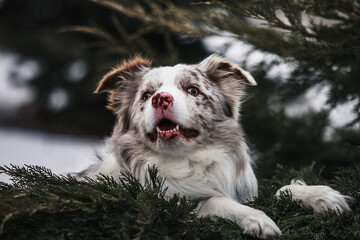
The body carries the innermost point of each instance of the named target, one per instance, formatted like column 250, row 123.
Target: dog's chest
column 196, row 174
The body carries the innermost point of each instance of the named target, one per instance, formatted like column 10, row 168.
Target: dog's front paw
column 320, row 198
column 253, row 222
column 258, row 224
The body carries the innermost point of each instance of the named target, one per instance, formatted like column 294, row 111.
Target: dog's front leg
column 252, row 221
column 320, row 198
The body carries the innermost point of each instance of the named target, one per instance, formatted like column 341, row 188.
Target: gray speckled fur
column 214, row 113
column 215, row 166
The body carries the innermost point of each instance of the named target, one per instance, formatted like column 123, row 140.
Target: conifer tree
column 41, row 205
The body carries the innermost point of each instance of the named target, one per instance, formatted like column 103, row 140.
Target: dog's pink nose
column 162, row 100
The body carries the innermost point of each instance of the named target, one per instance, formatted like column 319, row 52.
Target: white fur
column 167, row 76
column 250, row 78
column 319, row 198
column 109, row 166
column 253, row 221
column 186, row 175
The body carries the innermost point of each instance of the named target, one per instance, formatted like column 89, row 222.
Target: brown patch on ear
column 119, row 74
column 113, row 104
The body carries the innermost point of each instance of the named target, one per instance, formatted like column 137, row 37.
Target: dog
column 184, row 120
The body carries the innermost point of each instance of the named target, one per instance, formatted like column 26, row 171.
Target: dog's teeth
column 159, row 131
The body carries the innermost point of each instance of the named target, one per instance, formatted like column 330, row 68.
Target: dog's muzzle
column 166, row 127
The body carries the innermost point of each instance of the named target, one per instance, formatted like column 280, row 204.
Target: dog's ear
column 230, row 79
column 122, row 83
column 219, row 69
column 116, row 79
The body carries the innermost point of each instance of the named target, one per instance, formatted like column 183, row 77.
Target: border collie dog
column 184, row 120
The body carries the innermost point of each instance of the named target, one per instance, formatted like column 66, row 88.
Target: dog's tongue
column 168, row 135
column 167, row 129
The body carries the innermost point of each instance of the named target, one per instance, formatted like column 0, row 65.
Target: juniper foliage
column 41, row 205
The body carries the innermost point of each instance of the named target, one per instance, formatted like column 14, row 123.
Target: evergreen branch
column 277, row 22
column 6, row 218
column 95, row 31
column 353, row 122
column 135, row 11
column 62, row 207
column 173, row 18
column 121, row 30
column 357, row 119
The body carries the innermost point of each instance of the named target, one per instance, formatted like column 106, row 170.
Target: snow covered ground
column 62, row 154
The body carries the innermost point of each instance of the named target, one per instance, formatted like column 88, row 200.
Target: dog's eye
column 193, row 91
column 146, row 96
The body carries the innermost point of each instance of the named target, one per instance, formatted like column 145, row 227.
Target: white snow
column 238, row 51
column 314, row 99
column 58, row 99
column 77, row 70
column 62, row 154
column 343, row 114
column 12, row 92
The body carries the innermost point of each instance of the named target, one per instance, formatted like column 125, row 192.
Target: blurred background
column 304, row 56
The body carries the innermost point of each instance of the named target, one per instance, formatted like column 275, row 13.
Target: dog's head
column 180, row 106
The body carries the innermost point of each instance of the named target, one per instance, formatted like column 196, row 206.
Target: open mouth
column 167, row 129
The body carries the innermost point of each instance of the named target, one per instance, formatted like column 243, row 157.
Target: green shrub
column 41, row 205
